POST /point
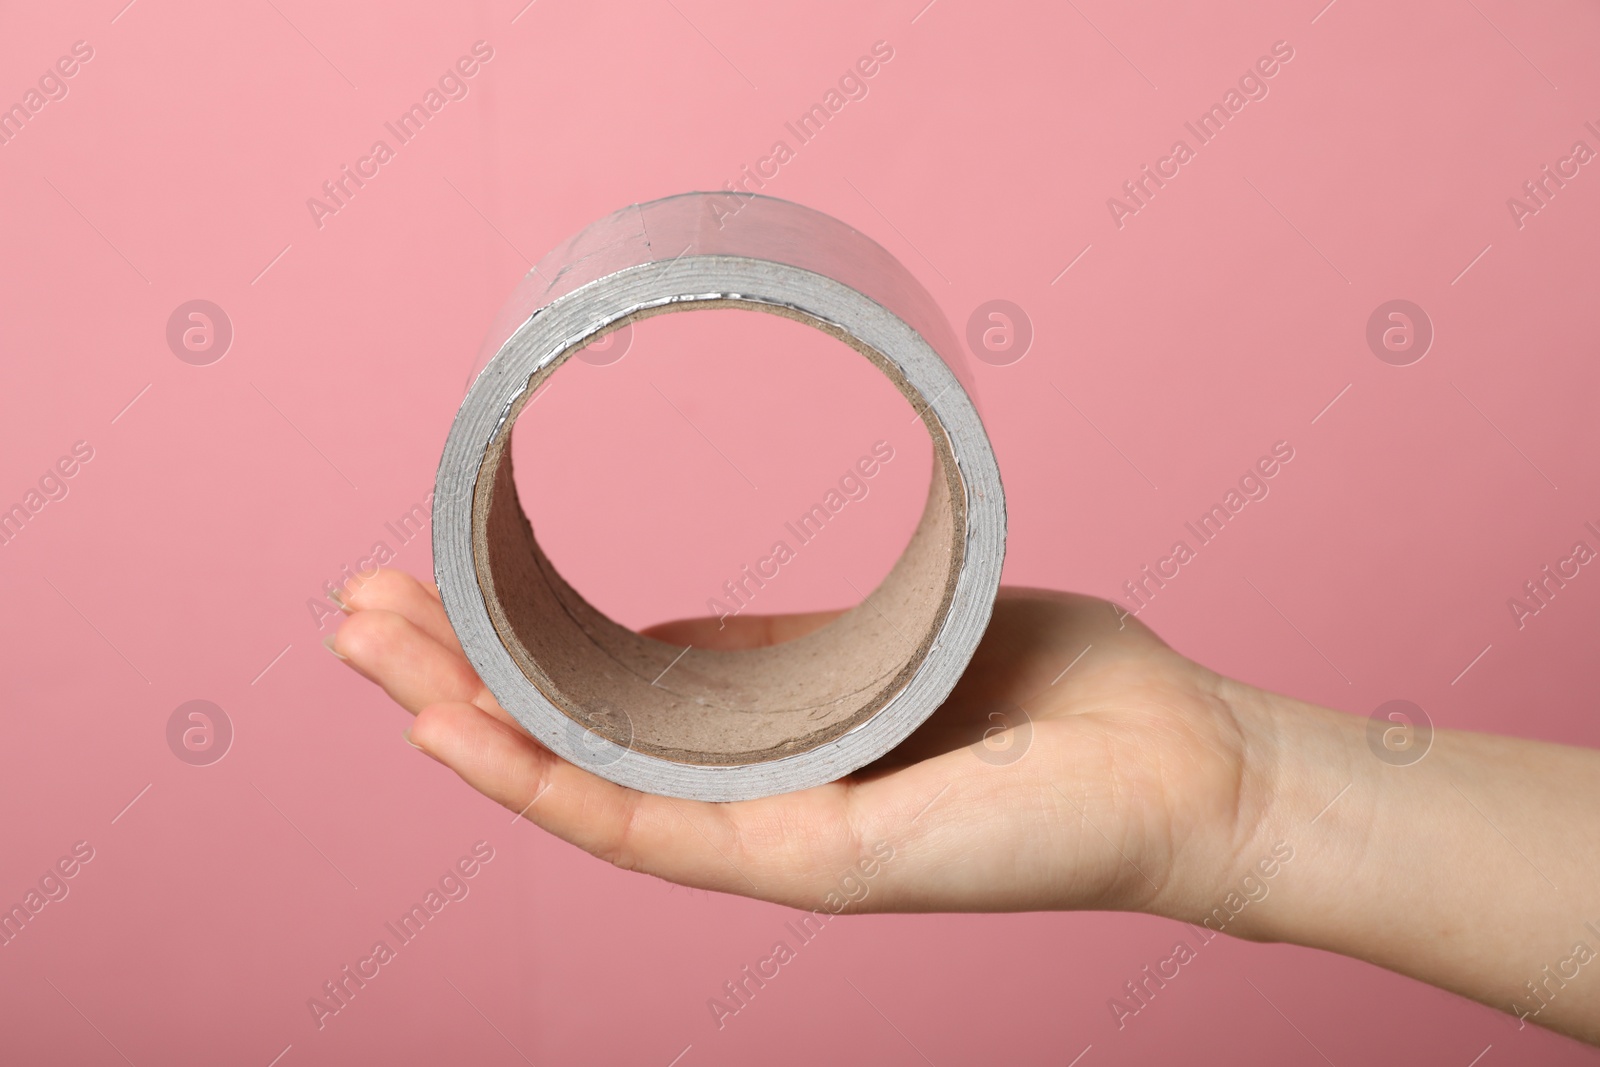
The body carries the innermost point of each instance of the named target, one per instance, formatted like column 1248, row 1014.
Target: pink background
column 1223, row 317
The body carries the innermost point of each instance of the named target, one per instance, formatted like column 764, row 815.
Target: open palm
column 1080, row 763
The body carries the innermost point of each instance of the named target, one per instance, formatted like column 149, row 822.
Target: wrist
column 1471, row 869
column 1300, row 766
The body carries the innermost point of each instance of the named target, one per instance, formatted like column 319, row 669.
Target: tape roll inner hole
column 714, row 707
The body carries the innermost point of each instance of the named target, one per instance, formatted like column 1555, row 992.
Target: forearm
column 1476, row 868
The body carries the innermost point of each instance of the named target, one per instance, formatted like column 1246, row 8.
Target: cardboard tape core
column 706, row 724
column 707, row 706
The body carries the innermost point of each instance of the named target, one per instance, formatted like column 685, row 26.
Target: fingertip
column 438, row 727
column 363, row 636
column 460, row 732
column 439, row 732
column 493, row 757
column 733, row 632
column 385, row 588
column 399, row 593
column 430, row 728
column 684, row 631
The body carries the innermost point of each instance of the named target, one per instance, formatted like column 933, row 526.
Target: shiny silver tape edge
column 668, row 252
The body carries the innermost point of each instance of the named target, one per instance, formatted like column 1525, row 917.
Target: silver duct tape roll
column 719, row 725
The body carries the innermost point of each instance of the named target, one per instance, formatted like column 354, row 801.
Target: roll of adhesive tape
column 719, row 725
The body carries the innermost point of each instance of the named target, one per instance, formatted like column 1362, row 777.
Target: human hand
column 1127, row 784
column 1136, row 780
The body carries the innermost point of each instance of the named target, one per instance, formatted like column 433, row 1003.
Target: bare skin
column 1148, row 783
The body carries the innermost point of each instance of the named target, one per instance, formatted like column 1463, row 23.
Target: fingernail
column 338, row 601
column 327, row 643
column 406, row 733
